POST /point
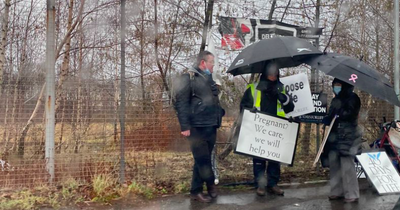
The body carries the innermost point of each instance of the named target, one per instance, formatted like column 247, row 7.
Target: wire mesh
column 87, row 136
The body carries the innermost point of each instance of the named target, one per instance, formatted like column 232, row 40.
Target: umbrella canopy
column 286, row 51
column 356, row 73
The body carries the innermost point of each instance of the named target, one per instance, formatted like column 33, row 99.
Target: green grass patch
column 104, row 188
column 139, row 189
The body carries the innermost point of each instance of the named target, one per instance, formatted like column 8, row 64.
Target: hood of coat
column 198, row 71
column 268, row 85
column 265, row 84
column 347, row 89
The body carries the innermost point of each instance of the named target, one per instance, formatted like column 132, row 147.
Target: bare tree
column 162, row 70
column 3, row 73
column 207, row 20
column 22, row 68
column 7, row 77
column 4, row 32
column 64, row 72
column 77, row 124
column 142, row 48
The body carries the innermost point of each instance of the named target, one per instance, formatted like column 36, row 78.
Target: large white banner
column 380, row 171
column 267, row 137
column 298, row 87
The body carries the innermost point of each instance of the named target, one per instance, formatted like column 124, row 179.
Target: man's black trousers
column 202, row 141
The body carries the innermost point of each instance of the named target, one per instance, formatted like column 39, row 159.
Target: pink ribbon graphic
column 353, row 78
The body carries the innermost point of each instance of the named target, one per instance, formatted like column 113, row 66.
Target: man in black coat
column 199, row 114
column 275, row 102
column 344, row 142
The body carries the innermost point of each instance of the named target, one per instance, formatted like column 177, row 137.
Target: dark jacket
column 345, row 136
column 269, row 97
column 196, row 100
column 347, row 105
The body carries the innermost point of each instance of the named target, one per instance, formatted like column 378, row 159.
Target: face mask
column 207, row 72
column 337, row 89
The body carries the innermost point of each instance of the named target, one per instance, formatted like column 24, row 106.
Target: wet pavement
column 297, row 197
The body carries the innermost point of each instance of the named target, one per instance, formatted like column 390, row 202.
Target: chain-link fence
column 87, row 135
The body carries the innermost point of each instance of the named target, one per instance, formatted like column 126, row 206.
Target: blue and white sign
column 380, row 171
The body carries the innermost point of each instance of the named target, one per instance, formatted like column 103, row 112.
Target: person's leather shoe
column 201, row 197
column 351, row 200
column 212, row 191
column 260, row 191
column 335, row 197
column 275, row 190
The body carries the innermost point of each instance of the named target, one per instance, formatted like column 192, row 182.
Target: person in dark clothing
column 199, row 114
column 344, row 142
column 267, row 96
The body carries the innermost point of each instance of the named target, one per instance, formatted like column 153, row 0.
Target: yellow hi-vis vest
column 257, row 100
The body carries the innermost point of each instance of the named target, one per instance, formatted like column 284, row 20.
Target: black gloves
column 282, row 98
column 253, row 110
column 327, row 120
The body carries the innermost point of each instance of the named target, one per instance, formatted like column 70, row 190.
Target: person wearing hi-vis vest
column 267, row 96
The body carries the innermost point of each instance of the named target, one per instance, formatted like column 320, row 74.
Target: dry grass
column 148, row 174
column 145, row 165
column 158, row 161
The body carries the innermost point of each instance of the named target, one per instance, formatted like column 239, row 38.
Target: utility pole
column 317, row 14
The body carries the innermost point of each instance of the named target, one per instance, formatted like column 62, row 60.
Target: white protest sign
column 267, row 137
column 325, row 139
column 380, row 171
column 298, row 87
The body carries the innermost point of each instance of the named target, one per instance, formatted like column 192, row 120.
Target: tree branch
column 286, row 8
column 333, row 30
column 78, row 20
column 271, row 11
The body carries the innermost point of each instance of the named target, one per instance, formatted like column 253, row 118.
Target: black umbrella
column 286, row 51
column 356, row 73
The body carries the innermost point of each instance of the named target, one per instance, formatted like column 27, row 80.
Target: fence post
column 50, row 88
column 122, row 106
column 396, row 56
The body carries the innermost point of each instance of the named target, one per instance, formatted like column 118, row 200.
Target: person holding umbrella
column 267, row 96
column 343, row 143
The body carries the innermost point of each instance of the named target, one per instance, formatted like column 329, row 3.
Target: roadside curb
column 302, row 183
column 281, row 185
